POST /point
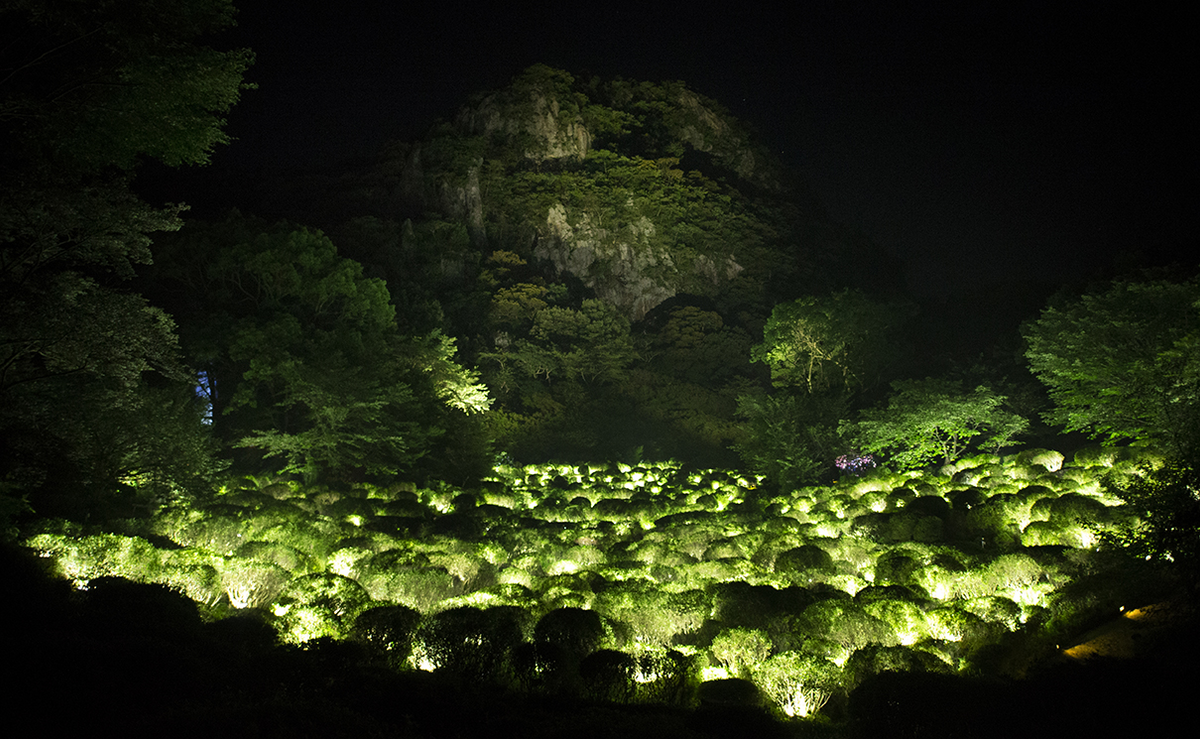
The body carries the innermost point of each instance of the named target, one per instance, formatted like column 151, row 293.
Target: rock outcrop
column 638, row 191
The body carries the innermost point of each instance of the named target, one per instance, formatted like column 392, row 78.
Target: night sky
column 984, row 144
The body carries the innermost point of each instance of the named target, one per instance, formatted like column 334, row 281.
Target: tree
column 929, row 419
column 1123, row 362
column 842, row 343
column 557, row 383
column 822, row 351
column 301, row 353
column 1166, row 505
column 792, row 438
column 89, row 90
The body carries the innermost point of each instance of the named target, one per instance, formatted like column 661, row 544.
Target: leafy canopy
column 842, row 342
column 1123, row 362
column 89, row 90
column 925, row 420
column 1166, row 503
column 303, row 352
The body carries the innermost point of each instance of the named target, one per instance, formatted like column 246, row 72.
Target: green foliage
column 108, row 82
column 90, row 89
column 313, row 606
column 927, row 420
column 791, row 438
column 252, row 584
column 470, row 643
column 1123, row 362
column 389, row 630
column 789, row 641
column 740, row 650
column 841, row 343
column 304, row 354
column 798, row 684
column 1166, row 503
column 577, row 631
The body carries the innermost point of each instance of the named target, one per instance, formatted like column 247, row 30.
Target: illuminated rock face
column 590, row 180
column 620, row 267
column 535, row 118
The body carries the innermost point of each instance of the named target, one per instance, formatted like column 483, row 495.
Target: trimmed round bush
column 730, row 692
column 798, row 684
column 802, row 559
column 578, row 632
column 1046, row 458
column 289, row 558
column 1096, row 456
column 1077, row 508
column 896, row 568
column 252, row 583
column 318, row 605
column 904, row 618
column 668, row 678
column 844, row 622
column 609, row 676
column 928, row 505
column 388, row 631
column 470, row 643
column 874, row 659
column 738, row 650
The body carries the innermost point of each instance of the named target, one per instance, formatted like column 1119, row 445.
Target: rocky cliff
column 639, row 191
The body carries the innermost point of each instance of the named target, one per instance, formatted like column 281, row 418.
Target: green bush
column 388, row 631
column 797, row 684
column 313, row 606
column 609, row 676
column 738, row 650
column 845, row 622
column 577, row 631
column 469, row 643
column 251, row 583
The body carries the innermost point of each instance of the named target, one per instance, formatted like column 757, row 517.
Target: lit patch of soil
column 1135, row 633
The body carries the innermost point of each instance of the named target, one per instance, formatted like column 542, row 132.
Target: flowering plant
column 854, row 463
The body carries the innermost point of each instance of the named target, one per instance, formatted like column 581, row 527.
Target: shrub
column 1168, row 509
column 470, row 643
column 738, row 650
column 85, row 558
column 896, row 568
column 654, row 617
column 250, row 583
column 420, row 588
column 874, row 659
column 545, row 667
column 799, row 561
column 288, row 558
column 387, row 630
column 318, row 605
column 797, row 684
column 996, row 609
column 1047, row 458
column 609, row 676
column 576, row 631
column 904, row 618
column 845, row 622
column 730, row 692
column 199, row 582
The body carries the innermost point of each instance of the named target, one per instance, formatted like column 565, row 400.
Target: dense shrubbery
column 636, row 583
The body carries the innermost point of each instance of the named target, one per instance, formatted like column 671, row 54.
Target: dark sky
column 980, row 142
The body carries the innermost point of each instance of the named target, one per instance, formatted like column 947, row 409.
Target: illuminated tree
column 89, row 91
column 927, row 420
column 302, row 354
column 1166, row 503
column 1123, row 362
column 841, row 343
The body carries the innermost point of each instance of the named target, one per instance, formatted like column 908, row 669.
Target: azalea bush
column 675, row 577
